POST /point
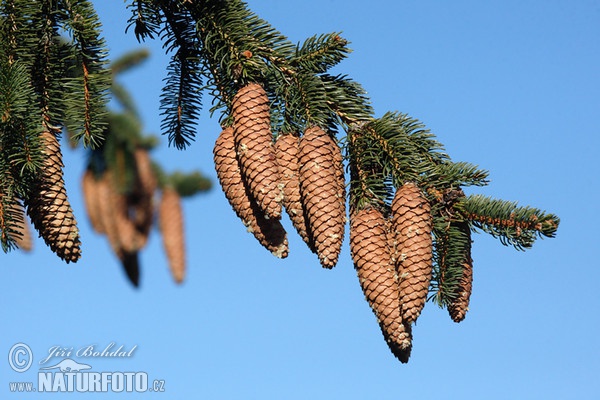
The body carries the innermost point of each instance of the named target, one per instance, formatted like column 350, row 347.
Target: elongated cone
column 269, row 232
column 287, row 147
column 254, row 147
column 460, row 305
column 129, row 238
column 129, row 259
column 144, row 171
column 373, row 263
column 48, row 205
column 323, row 193
column 172, row 229
column 411, row 223
column 141, row 201
column 90, row 196
column 104, row 191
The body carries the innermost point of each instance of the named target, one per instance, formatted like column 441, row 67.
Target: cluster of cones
column 127, row 216
column 393, row 255
column 260, row 177
column 393, row 259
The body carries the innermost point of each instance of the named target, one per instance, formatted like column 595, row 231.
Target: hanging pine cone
column 89, row 186
column 460, row 304
column 141, row 200
column 129, row 238
column 323, row 193
column 48, row 205
column 145, row 176
column 269, row 232
column 104, row 191
column 373, row 263
column 286, row 152
column 173, row 234
column 254, row 147
column 108, row 220
column 412, row 225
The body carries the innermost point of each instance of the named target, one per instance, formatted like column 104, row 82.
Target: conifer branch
column 146, row 19
column 181, row 96
column 11, row 216
column 505, row 220
column 91, row 88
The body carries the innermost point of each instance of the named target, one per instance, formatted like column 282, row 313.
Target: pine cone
column 90, row 196
column 460, row 304
column 129, row 238
column 146, row 178
column 286, row 152
column 269, row 232
column 106, row 212
column 322, row 189
column 373, row 263
column 141, row 200
column 48, row 205
column 172, row 229
column 412, row 223
column 108, row 220
column 254, row 147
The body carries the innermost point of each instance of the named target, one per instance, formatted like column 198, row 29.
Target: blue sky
column 512, row 86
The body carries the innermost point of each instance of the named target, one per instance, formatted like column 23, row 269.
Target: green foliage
column 452, row 245
column 217, row 47
column 507, row 221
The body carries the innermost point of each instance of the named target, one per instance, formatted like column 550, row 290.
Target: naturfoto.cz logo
column 68, row 375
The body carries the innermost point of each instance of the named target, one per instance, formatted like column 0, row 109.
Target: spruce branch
column 145, row 18
column 452, row 244
column 512, row 224
column 90, row 89
column 11, row 211
column 181, row 99
column 319, row 53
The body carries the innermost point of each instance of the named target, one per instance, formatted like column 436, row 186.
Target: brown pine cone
column 141, row 200
column 90, row 197
column 254, row 147
column 145, row 176
column 48, row 205
column 108, row 214
column 373, row 263
column 172, row 229
column 460, row 304
column 130, row 239
column 412, row 224
column 323, row 194
column 286, row 152
column 269, row 232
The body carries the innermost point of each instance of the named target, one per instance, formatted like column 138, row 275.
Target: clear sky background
column 512, row 86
